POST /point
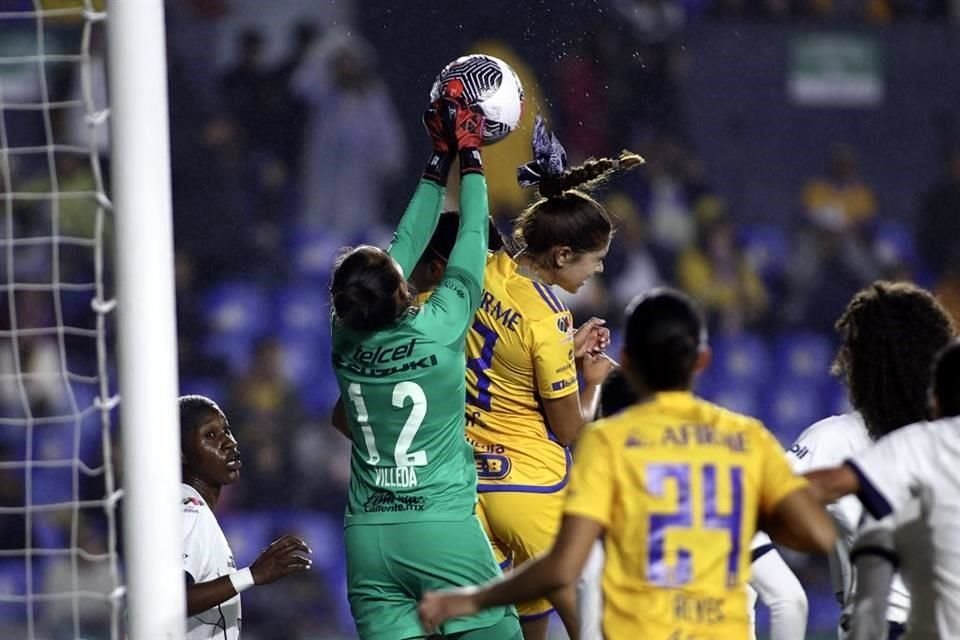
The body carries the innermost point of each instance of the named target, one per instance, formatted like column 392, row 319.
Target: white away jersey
column 825, row 444
column 918, row 468
column 207, row 556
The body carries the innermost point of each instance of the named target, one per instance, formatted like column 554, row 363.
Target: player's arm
column 831, row 484
column 567, row 407
column 884, row 476
column 875, row 559
column 339, row 418
column 420, row 218
column 535, row 579
column 417, row 225
column 282, row 557
column 450, row 310
column 789, row 510
column 778, row 588
column 587, row 513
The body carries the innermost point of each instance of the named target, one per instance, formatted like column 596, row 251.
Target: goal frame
column 146, row 319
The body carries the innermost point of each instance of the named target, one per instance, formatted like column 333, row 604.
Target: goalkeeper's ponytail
column 368, row 292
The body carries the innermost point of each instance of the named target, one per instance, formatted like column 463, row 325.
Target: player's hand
column 596, row 368
column 591, row 338
column 282, row 557
column 441, row 141
column 436, row 607
column 462, row 123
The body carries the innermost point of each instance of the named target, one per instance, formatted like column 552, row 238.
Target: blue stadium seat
column 13, row 582
column 805, row 355
column 302, row 310
column 767, row 247
column 378, row 235
column 52, row 485
column 741, row 358
column 893, row 242
column 235, row 349
column 792, row 406
column 235, row 308
column 740, row 397
column 312, row 252
column 836, row 399
column 322, row 533
column 235, row 315
column 212, row 388
column 248, row 532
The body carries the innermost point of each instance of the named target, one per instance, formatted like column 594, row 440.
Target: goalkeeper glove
column 464, row 124
column 443, row 146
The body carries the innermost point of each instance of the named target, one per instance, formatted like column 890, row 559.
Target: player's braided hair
column 890, row 333
column 588, row 176
column 566, row 214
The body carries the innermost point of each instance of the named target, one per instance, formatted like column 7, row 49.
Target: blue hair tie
column 549, row 157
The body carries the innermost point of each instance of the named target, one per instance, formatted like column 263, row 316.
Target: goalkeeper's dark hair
column 367, row 290
column 194, row 409
column 616, row 394
column 890, row 334
column 566, row 214
column 665, row 332
column 946, row 380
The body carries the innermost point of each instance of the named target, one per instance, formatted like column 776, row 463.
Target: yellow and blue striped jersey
column 678, row 484
column 519, row 351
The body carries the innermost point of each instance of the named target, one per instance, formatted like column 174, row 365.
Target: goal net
column 59, row 564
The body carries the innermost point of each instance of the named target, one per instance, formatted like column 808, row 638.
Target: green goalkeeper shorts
column 389, row 566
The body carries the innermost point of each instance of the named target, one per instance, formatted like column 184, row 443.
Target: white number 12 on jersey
column 402, row 456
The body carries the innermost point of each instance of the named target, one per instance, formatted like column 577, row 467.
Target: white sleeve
column 194, row 547
column 891, row 471
column 875, row 560
column 780, row 590
column 590, row 595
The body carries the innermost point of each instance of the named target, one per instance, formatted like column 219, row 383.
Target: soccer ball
column 489, row 83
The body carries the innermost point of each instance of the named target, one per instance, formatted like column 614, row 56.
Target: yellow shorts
column 522, row 526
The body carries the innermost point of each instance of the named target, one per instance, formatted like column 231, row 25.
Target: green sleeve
column 469, row 254
column 417, row 225
column 449, row 312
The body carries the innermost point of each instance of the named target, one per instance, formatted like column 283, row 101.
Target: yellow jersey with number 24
column 678, row 484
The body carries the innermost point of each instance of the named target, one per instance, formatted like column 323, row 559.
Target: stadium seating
column 235, row 313
column 767, row 247
column 741, row 358
column 802, row 355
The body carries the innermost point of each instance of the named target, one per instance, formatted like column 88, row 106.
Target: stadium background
column 797, row 149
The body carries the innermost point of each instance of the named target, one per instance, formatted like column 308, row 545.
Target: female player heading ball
column 525, row 406
column 677, row 486
column 410, row 524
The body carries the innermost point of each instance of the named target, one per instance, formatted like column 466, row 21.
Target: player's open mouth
column 234, row 462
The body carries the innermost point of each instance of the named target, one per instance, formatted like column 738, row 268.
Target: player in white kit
column 910, row 482
column 771, row 578
column 211, row 460
column 890, row 334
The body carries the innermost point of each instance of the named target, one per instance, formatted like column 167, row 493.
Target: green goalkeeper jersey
column 403, row 387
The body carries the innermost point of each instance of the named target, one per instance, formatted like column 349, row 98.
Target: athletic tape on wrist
column 242, row 580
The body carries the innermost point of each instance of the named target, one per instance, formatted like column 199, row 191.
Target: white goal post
column 146, row 319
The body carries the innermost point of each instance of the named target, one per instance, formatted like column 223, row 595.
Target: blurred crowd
column 279, row 162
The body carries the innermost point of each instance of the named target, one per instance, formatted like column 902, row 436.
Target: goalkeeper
column 410, row 524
